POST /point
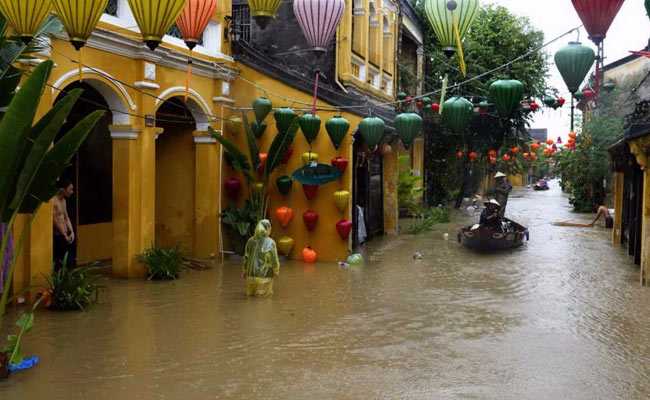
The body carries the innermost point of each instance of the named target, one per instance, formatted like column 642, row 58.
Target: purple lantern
column 318, row 20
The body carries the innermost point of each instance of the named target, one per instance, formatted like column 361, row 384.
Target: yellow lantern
column 309, row 156
column 285, row 245
column 155, row 17
column 79, row 17
column 342, row 199
column 25, row 16
column 263, row 11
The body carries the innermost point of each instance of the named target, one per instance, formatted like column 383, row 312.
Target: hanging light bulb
column 155, row 17
column 25, row 16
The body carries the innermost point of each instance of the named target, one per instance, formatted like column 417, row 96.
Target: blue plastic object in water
column 26, row 363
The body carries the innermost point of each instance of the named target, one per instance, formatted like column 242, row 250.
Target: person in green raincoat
column 261, row 262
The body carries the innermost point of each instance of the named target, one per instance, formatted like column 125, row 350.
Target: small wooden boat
column 541, row 185
column 487, row 239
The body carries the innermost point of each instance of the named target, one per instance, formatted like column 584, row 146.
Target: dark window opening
column 175, row 31
column 111, row 8
column 241, row 25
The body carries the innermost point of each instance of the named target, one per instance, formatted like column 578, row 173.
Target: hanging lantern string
column 313, row 107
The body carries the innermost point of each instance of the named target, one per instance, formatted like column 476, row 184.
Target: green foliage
column 162, row 264
column 241, row 223
column 426, row 219
column 409, row 187
column 73, row 289
column 25, row 324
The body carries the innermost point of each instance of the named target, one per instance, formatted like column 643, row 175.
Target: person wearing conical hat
column 502, row 190
column 490, row 215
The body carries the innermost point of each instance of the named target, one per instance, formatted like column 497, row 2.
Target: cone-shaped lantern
column 79, row 17
column 194, row 19
column 574, row 62
column 442, row 14
column 155, row 17
column 408, row 126
column 25, row 16
column 372, row 130
column 597, row 16
column 318, row 20
column 263, row 11
column 337, row 127
column 647, row 7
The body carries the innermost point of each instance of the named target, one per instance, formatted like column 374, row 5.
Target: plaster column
column 619, row 179
column 207, row 185
column 420, row 70
column 147, row 184
column 126, row 201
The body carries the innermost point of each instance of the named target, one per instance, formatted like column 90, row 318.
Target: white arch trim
column 121, row 114
column 196, row 104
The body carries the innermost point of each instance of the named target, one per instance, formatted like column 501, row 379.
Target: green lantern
column 401, row 96
column 408, row 126
column 579, row 95
column 549, row 101
column 426, row 101
column 283, row 118
column 442, row 14
column 506, row 94
column 262, row 107
column 457, row 113
column 284, row 184
column 372, row 130
column 574, row 62
column 337, row 127
column 258, row 128
column 310, row 126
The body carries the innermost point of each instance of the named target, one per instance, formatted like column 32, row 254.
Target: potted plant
column 162, row 264
column 239, row 224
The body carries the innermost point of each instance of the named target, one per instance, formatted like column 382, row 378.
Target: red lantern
column 534, row 146
column 263, row 158
column 435, row 107
column 460, row 155
column 492, row 160
column 561, row 101
column 310, row 217
column 549, row 142
column 340, row 163
column 492, row 153
column 233, row 188
column 572, row 135
column 534, row 106
column 506, row 157
column 514, row 150
column 287, row 155
column 588, row 94
column 472, row 156
column 284, row 215
column 310, row 191
column 344, row 227
column 309, row 255
column 597, row 15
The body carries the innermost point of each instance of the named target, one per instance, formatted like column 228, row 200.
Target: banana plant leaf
column 318, row 174
column 279, row 146
column 253, row 149
column 237, row 158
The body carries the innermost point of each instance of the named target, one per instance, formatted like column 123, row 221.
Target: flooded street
column 562, row 318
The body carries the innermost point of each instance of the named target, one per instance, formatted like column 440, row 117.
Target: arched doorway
column 175, row 175
column 91, row 173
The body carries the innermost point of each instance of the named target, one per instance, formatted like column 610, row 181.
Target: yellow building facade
column 166, row 172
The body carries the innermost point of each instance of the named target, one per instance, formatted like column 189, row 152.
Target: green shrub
column 162, row 264
column 409, row 187
column 426, row 219
column 73, row 289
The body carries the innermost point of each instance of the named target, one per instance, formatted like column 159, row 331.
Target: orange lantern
column 309, row 255
column 550, row 142
column 459, row 154
column 534, row 146
column 472, row 156
column 506, row 157
column 514, row 150
column 526, row 156
column 572, row 135
column 533, row 157
column 284, row 215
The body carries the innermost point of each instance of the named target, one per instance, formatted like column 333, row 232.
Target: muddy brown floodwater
column 562, row 318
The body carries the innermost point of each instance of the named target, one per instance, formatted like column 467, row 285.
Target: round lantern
column 549, row 101
column 284, row 184
column 318, row 20
column 344, row 227
column 506, row 95
column 574, row 62
column 79, row 17
column 597, row 16
column 408, row 126
column 337, row 127
column 435, row 108
column 262, row 107
column 309, row 255
column 507, row 157
column 310, row 126
column 444, row 14
column 588, row 93
column 284, row 215
column 194, row 19
column 263, row 11
column 283, row 118
column 154, row 17
column 341, row 200
column 460, row 155
column 285, row 245
column 534, row 146
column 372, row 130
column 25, row 16
column 310, row 218
column 473, row 156
column 457, row 113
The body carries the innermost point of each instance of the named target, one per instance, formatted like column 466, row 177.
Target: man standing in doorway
column 502, row 190
column 64, row 237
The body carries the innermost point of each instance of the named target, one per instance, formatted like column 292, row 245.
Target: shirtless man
column 63, row 231
column 603, row 211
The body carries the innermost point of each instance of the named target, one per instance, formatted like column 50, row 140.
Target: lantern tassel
column 459, row 45
column 313, row 107
column 443, row 92
column 81, row 65
column 188, row 78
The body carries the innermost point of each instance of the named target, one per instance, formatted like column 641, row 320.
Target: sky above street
column 630, row 31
